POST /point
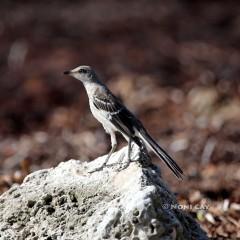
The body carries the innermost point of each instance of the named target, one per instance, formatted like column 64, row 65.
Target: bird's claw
column 105, row 165
column 122, row 166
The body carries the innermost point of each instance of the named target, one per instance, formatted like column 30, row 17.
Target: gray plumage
column 115, row 117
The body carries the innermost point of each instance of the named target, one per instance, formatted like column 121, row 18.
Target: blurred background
column 175, row 64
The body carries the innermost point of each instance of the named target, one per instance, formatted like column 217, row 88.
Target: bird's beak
column 67, row 72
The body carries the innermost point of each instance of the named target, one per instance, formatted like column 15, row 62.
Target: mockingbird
column 115, row 117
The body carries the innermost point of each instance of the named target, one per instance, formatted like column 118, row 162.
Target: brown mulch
column 174, row 64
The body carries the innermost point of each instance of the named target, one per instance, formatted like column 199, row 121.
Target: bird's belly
column 101, row 116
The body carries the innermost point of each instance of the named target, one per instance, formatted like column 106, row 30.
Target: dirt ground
column 175, row 64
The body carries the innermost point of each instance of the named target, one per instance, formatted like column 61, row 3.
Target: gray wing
column 119, row 115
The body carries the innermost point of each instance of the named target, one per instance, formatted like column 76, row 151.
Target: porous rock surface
column 68, row 202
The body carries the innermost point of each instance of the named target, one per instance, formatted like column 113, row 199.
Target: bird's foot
column 97, row 169
column 124, row 165
column 105, row 166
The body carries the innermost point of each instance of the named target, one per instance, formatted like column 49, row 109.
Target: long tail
column 150, row 142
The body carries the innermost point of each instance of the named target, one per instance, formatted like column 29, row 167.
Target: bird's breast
column 103, row 117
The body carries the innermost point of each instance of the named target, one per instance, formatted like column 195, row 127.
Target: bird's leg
column 143, row 153
column 129, row 149
column 123, row 166
column 109, row 154
column 129, row 152
column 113, row 148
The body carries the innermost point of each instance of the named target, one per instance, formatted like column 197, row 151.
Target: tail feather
column 161, row 153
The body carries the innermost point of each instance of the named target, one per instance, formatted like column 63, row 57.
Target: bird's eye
column 82, row 71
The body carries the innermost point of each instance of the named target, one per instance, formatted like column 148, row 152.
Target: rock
column 68, row 202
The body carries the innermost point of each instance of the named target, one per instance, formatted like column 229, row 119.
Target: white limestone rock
column 68, row 202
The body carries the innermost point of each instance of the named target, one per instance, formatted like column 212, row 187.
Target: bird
column 115, row 117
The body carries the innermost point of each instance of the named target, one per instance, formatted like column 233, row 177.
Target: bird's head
column 83, row 73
